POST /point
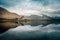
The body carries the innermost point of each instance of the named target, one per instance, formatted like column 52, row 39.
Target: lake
column 33, row 30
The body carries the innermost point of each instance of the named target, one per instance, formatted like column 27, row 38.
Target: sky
column 28, row 8
column 32, row 7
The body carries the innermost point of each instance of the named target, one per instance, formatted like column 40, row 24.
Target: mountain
column 38, row 17
column 6, row 14
column 5, row 20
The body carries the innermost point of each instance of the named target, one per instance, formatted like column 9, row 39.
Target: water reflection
column 6, row 24
column 13, row 23
column 43, row 23
column 29, row 32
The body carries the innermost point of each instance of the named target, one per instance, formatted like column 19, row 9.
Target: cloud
column 31, row 7
column 9, row 3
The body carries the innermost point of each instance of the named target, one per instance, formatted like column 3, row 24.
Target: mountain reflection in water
column 33, row 32
column 7, row 24
column 32, row 23
column 43, row 23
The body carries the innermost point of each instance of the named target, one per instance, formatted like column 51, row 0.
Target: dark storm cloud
column 50, row 3
column 9, row 2
column 44, row 2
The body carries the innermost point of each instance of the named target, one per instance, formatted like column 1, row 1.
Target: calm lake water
column 33, row 30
